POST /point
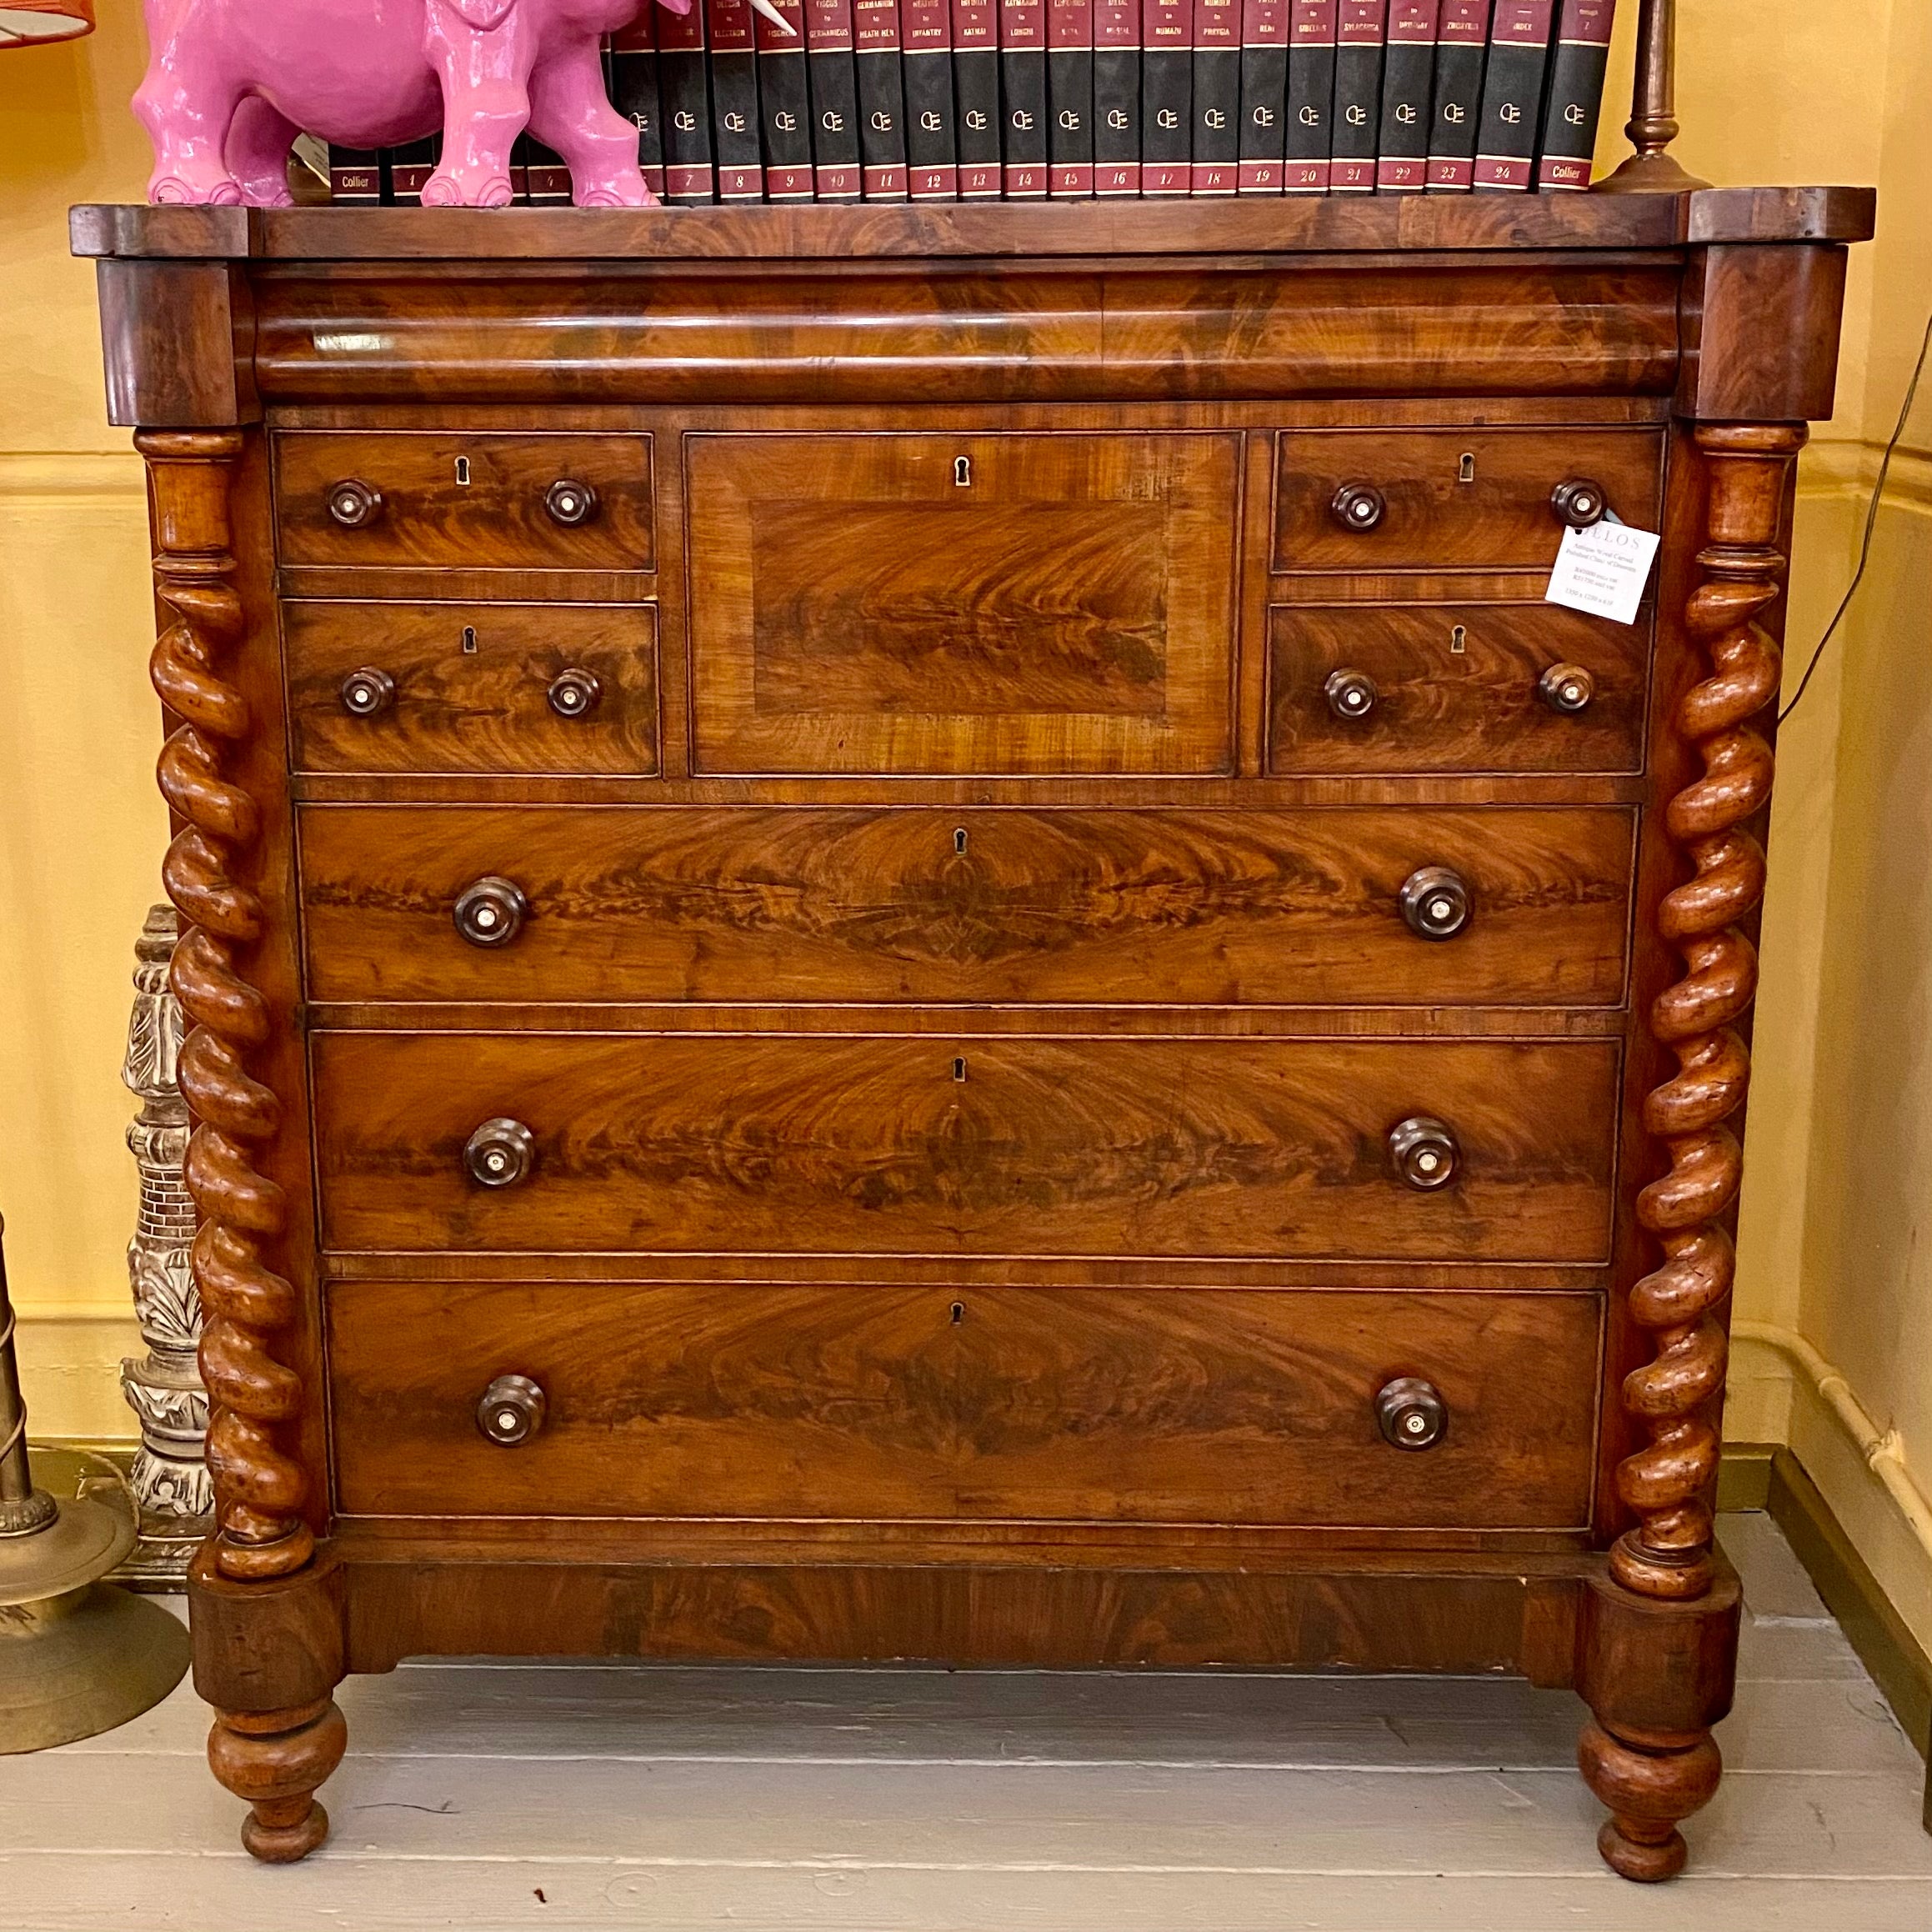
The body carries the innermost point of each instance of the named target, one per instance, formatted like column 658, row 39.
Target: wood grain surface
column 496, row 519
column 911, row 905
column 1499, row 520
column 970, row 1145
column 472, row 681
column 1093, row 1406
column 855, row 606
column 1449, row 704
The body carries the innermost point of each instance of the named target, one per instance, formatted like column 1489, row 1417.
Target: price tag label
column 1603, row 570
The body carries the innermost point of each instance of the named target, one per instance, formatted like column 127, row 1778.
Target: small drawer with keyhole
column 1489, row 499
column 466, row 500
column 1391, row 687
column 515, row 688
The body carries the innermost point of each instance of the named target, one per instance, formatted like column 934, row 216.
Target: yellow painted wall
column 1834, row 1243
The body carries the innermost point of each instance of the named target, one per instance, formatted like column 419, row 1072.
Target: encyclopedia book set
column 969, row 100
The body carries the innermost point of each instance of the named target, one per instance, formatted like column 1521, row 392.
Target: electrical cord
column 1871, row 523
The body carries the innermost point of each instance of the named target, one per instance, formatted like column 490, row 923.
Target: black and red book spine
column 1408, row 75
column 976, row 97
column 834, row 90
column 1462, row 40
column 785, row 104
column 355, row 176
column 1513, row 95
column 1311, row 95
column 1070, row 99
column 410, row 167
column 1263, row 94
column 548, row 175
column 932, row 158
column 734, row 117
column 1575, row 96
column 690, row 169
column 1215, row 167
column 881, row 98
column 1022, row 97
column 1116, row 97
column 1360, row 26
column 633, row 93
column 1167, row 96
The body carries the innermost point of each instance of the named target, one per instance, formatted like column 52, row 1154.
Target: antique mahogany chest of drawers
column 910, row 938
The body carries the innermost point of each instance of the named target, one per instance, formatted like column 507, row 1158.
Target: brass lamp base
column 77, row 1656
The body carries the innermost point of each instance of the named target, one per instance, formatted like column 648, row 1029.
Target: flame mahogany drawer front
column 1449, row 499
column 465, row 500
column 922, row 1144
column 473, row 688
column 1453, row 688
column 950, row 1404
column 920, row 603
column 904, row 904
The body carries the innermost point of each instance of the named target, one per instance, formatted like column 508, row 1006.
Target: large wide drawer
column 473, row 688
column 1449, row 499
column 960, row 1404
column 946, row 1144
column 1375, row 688
column 1041, row 604
column 465, row 499
column 812, row 904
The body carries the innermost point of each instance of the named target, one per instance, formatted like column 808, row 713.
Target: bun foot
column 276, row 1760
column 1650, row 1785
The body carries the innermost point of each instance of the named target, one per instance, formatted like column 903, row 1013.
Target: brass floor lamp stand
column 77, row 1656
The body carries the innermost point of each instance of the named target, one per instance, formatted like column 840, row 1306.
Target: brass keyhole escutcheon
column 463, row 472
column 959, row 839
column 469, row 640
column 963, row 472
column 1458, row 640
column 1466, row 468
column 959, row 1068
column 958, row 1313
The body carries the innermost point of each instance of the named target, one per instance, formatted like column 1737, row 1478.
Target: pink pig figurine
column 232, row 83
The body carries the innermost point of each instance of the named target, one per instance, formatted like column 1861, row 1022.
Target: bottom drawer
column 1089, row 1405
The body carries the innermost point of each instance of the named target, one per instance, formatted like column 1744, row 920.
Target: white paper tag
column 1603, row 570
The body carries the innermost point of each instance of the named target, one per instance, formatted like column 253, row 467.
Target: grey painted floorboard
column 493, row 1794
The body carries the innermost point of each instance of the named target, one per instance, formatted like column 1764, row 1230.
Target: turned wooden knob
column 1435, row 902
column 500, row 1154
column 1351, row 693
column 575, row 693
column 570, row 503
column 1579, row 501
column 1567, row 688
column 512, row 1410
column 368, row 691
column 491, row 912
column 1358, row 505
column 354, row 504
column 1411, row 1413
column 1425, row 1151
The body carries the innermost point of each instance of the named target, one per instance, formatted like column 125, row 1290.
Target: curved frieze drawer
column 464, row 500
column 1374, row 500
column 1347, row 906
column 1060, row 603
column 1414, row 688
column 1471, row 1410
column 489, row 688
column 897, row 1144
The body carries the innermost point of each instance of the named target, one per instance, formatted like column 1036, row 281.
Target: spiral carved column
column 1651, row 1779
column 259, row 1486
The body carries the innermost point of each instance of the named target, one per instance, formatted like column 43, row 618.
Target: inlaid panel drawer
column 921, row 1144
column 1349, row 906
column 482, row 688
column 909, row 603
column 964, row 1404
column 1454, row 688
column 1453, row 499
column 462, row 499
